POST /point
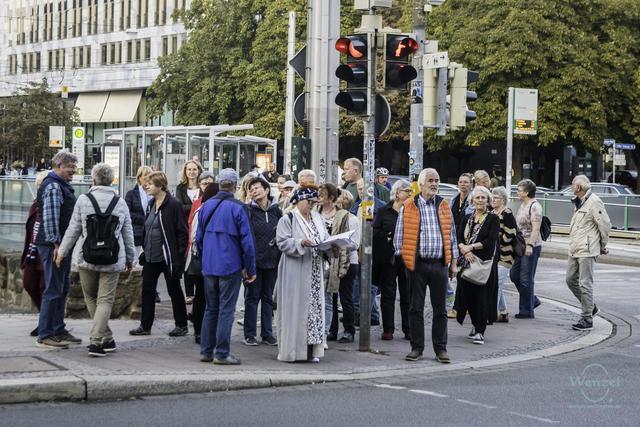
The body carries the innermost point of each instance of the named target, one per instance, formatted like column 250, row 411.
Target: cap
column 289, row 184
column 228, row 175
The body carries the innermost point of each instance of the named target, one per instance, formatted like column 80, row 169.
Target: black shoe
column 68, row 338
column 583, row 325
column 34, row 333
column 96, row 351
column 179, row 331
column 346, row 338
column 251, row 341
column 109, row 346
column 537, row 303
column 593, row 313
column 139, row 331
column 206, row 359
column 414, row 356
column 332, row 337
column 523, row 316
column 197, row 338
column 229, row 360
column 270, row 341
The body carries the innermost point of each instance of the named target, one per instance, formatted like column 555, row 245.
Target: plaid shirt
column 430, row 243
column 51, row 203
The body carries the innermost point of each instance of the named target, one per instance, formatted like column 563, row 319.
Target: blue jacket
column 226, row 244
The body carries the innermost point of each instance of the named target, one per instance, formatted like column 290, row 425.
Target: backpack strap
column 94, row 202
column 112, row 205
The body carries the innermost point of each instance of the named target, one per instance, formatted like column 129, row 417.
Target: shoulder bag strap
column 112, row 205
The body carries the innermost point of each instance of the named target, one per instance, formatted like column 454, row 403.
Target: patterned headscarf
column 304, row 193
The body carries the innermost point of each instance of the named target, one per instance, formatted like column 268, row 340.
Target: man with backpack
column 100, row 228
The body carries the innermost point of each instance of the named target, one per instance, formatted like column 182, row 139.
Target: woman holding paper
column 300, row 285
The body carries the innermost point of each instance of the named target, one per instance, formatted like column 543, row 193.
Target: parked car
column 539, row 190
column 625, row 177
column 604, row 189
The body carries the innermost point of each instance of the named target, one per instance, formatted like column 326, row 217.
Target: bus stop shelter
column 167, row 148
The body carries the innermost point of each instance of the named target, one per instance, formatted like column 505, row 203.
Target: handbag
column 519, row 244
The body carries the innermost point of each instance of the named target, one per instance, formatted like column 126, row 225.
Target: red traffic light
column 399, row 47
column 353, row 46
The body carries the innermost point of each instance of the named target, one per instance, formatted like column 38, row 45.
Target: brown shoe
column 452, row 314
column 503, row 318
column 387, row 336
column 415, row 355
column 443, row 357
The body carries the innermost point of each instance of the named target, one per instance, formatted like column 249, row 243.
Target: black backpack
column 101, row 245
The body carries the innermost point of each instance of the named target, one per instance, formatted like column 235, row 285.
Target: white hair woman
column 523, row 272
column 478, row 238
column 387, row 268
column 99, row 281
column 508, row 230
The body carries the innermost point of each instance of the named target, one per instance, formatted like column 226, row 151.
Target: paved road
column 594, row 386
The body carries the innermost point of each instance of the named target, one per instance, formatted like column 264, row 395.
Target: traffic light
column 398, row 70
column 355, row 72
column 460, row 95
column 430, row 97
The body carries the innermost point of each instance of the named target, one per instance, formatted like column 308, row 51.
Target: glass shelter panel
column 176, row 156
column 132, row 160
column 199, row 149
column 154, row 151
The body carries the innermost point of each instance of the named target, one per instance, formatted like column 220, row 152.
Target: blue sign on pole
column 609, row 142
column 626, row 146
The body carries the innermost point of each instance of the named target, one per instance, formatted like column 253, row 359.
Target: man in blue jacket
column 225, row 241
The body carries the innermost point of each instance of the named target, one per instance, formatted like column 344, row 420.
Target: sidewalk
column 158, row 364
column 621, row 252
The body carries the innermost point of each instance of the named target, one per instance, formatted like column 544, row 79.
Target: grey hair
column 63, row 158
column 583, row 182
column 397, row 186
column 528, row 186
column 423, row 175
column 481, row 189
column 306, row 172
column 345, row 200
column 355, row 162
column 102, row 174
column 501, row 192
column 480, row 174
column 205, row 175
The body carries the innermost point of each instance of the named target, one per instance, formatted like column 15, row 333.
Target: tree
column 26, row 117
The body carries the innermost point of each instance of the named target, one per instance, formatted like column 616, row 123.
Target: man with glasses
column 56, row 202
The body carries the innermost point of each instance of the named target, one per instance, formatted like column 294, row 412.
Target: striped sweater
column 508, row 230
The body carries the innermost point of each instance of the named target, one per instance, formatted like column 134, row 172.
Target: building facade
column 101, row 54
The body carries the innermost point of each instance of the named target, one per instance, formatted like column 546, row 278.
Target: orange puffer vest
column 411, row 230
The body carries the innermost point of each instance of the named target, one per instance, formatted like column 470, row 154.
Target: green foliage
column 26, row 117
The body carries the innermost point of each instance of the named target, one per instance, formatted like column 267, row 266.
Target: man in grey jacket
column 588, row 237
column 99, row 282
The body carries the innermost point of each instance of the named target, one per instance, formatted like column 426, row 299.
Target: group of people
column 222, row 234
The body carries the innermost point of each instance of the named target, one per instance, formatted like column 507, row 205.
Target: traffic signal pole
column 416, row 136
column 371, row 24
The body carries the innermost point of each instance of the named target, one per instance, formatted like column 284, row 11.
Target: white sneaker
column 478, row 339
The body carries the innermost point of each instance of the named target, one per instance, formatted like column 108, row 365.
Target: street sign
column 609, row 142
column 56, row 137
column 299, row 62
column 625, row 147
column 77, row 147
column 620, row 160
column 435, row 60
column 525, row 111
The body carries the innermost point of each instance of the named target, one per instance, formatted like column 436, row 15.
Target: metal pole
column 613, row 175
column 416, row 138
column 369, row 155
column 291, row 95
column 509, row 141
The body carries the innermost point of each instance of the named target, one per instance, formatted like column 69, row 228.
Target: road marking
column 389, row 386
column 544, row 420
column 428, row 393
column 482, row 405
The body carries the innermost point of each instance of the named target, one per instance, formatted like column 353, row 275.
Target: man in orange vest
column 425, row 237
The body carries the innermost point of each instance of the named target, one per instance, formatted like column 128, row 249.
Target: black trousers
column 150, row 273
column 388, row 285
column 199, row 302
column 434, row 275
column 473, row 300
column 346, row 298
column 189, row 284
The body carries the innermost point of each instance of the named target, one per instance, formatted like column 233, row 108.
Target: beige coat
column 589, row 230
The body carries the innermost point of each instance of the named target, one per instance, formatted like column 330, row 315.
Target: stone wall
column 14, row 298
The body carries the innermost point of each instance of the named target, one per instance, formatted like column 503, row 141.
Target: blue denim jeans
column 221, row 295
column 54, row 297
column 260, row 291
column 523, row 275
column 503, row 272
column 375, row 314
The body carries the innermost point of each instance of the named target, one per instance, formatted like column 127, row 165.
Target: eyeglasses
column 407, row 190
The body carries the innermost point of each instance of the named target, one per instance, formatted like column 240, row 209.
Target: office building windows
column 143, row 13
column 138, row 54
column 92, row 27
column 129, row 51
column 147, row 49
column 125, row 14
column 111, row 53
column 160, row 16
column 13, row 64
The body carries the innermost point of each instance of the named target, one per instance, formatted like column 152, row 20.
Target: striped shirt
column 430, row 245
column 51, row 203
